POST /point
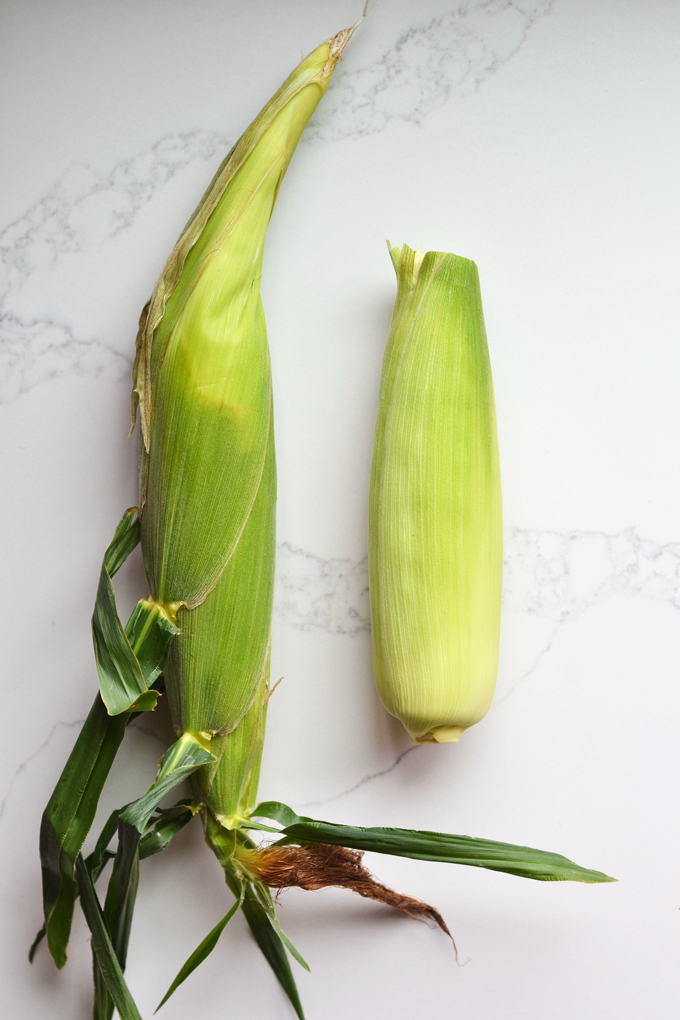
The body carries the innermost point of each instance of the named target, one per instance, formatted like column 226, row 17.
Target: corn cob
column 207, row 469
column 435, row 528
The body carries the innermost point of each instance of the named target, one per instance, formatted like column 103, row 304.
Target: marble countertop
column 538, row 137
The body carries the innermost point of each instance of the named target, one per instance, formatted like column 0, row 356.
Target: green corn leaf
column 68, row 817
column 122, row 890
column 125, row 540
column 71, row 809
column 119, row 907
column 150, row 632
column 118, row 911
column 441, row 846
column 248, row 823
column 203, row 951
column 102, row 947
column 265, row 898
column 102, row 1005
column 271, row 946
column 177, row 764
column 170, row 821
column 124, row 680
column 120, row 676
column 279, row 812
column 101, row 854
column 36, row 942
column 167, row 823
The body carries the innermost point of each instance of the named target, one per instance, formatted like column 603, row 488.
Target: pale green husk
column 435, row 532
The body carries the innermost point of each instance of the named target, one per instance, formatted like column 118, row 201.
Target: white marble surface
column 538, row 137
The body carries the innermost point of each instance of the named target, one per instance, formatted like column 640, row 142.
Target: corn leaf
column 36, row 942
column 71, row 809
column 169, row 822
column 123, row 682
column 269, row 941
column 125, row 540
column 68, row 817
column 102, row 1005
column 150, row 634
column 72, row 806
column 432, row 846
column 101, row 854
column 203, row 951
column 102, row 947
column 277, row 811
column 265, row 897
column 122, row 891
column 177, row 764
column 120, row 676
column 179, row 761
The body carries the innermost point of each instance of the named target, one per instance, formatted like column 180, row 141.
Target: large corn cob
column 208, row 477
column 435, row 531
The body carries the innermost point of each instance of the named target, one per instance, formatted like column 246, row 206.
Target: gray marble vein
column 451, row 55
column 81, row 212
column 33, row 351
column 556, row 576
column 35, row 754
column 559, row 576
column 548, row 574
column 313, row 593
column 364, row 780
column 83, row 209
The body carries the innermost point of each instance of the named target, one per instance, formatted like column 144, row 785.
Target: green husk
column 208, row 477
column 202, row 370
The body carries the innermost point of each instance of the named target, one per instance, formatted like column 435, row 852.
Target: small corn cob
column 435, row 527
